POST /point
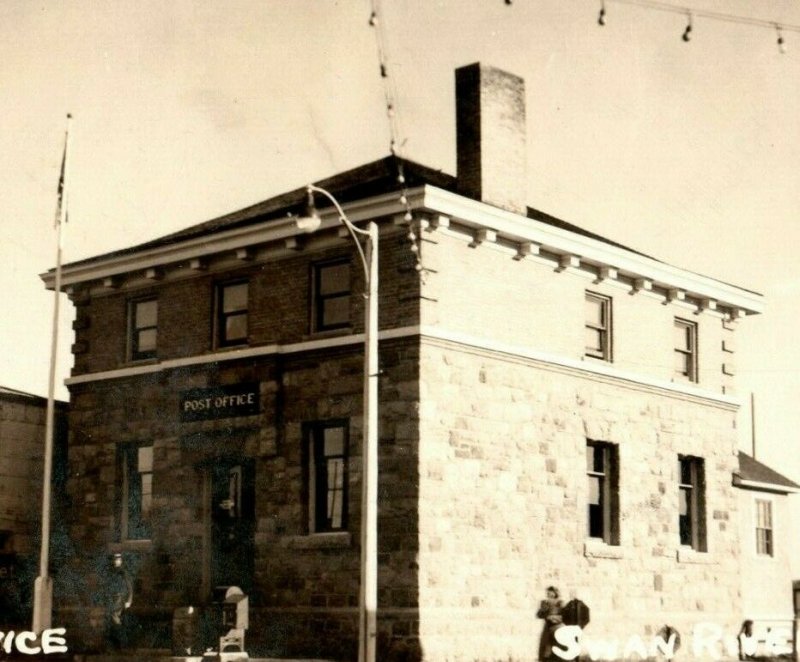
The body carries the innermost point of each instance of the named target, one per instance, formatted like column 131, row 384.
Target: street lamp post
column 368, row 595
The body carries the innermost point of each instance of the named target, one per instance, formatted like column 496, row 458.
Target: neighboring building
column 767, row 544
column 22, row 438
column 555, row 408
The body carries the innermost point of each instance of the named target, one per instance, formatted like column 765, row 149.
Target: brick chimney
column 490, row 136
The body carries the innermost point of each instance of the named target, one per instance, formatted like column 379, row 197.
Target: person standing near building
column 119, row 597
column 549, row 610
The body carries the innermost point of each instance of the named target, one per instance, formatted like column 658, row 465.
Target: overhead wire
column 395, row 145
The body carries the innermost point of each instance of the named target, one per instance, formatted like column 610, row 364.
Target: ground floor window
column 136, row 491
column 326, row 456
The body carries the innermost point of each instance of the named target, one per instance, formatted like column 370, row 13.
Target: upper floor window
column 143, row 329
column 326, row 464
column 764, row 527
column 685, row 350
column 136, row 491
column 331, row 296
column 598, row 326
column 602, row 462
column 691, row 513
column 232, row 299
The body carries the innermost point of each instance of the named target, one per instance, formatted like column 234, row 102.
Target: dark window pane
column 686, row 472
column 334, row 441
column 236, row 327
column 146, row 314
column 335, row 312
column 334, row 279
column 685, row 525
column 595, row 521
column 234, row 298
column 146, row 341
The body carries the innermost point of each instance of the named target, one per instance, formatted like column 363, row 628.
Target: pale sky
column 186, row 110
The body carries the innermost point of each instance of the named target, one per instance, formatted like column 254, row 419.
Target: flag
column 62, row 182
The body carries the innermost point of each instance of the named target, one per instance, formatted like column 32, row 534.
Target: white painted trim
column 187, row 250
column 521, row 229
column 601, row 369
column 471, row 214
column 767, row 487
column 598, row 368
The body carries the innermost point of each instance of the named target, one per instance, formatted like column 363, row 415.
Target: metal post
column 368, row 603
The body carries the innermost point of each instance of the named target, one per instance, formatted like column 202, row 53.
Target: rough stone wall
column 305, row 594
column 503, row 493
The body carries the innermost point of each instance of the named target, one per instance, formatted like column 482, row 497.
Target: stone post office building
column 555, row 408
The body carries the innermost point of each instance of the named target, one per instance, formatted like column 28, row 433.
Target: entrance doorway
column 232, row 523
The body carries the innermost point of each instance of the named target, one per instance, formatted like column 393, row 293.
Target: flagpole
column 43, row 587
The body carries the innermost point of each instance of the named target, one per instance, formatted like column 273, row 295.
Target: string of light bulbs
column 394, row 133
column 777, row 27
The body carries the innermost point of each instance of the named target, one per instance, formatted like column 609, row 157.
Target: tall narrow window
column 691, row 514
column 598, row 326
column 136, row 497
column 143, row 329
column 603, row 502
column 331, row 296
column 232, row 313
column 327, row 476
column 764, row 527
column 685, row 350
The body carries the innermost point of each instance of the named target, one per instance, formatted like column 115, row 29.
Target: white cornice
column 196, row 248
column 521, row 229
column 482, row 220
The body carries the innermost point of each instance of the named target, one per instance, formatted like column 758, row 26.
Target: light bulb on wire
column 601, row 17
column 781, row 40
column 687, row 33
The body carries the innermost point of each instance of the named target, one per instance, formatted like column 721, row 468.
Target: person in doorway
column 549, row 610
column 119, row 597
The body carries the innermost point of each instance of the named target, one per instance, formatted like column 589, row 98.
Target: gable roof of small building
column 13, row 395
column 756, row 475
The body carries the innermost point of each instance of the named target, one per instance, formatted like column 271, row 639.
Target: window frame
column 608, row 492
column 134, row 354
column 604, row 329
column 221, row 316
column 130, row 526
column 316, row 480
column 769, row 530
column 689, row 353
column 696, row 536
column 318, row 299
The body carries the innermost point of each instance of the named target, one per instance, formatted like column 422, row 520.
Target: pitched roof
column 364, row 181
column 13, row 394
column 753, row 473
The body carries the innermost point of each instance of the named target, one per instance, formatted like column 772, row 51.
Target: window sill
column 152, row 360
column 597, row 549
column 335, row 540
column 689, row 555
column 329, row 333
column 597, row 359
